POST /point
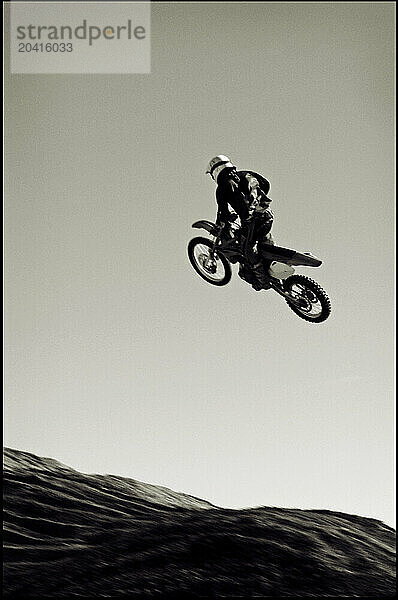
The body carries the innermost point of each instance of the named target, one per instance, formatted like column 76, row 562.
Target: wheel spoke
column 312, row 307
column 307, row 298
column 211, row 266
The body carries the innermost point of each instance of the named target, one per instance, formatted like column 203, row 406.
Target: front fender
column 207, row 225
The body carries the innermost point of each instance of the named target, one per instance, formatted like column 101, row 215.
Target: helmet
column 218, row 164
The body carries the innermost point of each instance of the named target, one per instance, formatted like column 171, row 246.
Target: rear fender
column 305, row 259
column 289, row 257
column 207, row 225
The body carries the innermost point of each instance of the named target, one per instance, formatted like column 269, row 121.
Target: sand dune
column 69, row 534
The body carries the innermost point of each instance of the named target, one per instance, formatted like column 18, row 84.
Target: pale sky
column 119, row 358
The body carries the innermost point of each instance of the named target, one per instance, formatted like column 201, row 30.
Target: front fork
column 209, row 263
column 215, row 242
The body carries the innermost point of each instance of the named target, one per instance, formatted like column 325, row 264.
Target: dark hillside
column 68, row 535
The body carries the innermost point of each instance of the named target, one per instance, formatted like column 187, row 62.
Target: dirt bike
column 211, row 259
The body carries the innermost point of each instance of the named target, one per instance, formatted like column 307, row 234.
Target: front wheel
column 308, row 299
column 212, row 267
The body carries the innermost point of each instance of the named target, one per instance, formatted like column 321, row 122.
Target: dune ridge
column 69, row 534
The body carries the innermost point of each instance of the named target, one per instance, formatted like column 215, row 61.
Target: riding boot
column 260, row 273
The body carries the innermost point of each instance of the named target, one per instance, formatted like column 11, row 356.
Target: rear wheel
column 212, row 267
column 308, row 299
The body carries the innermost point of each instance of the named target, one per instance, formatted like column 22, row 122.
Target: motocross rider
column 246, row 193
